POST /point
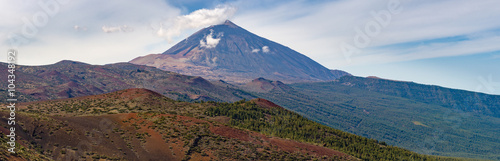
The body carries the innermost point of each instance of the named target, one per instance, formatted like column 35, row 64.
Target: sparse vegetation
column 227, row 131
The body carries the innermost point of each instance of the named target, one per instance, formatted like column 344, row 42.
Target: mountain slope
column 454, row 99
column 139, row 124
column 67, row 79
column 231, row 53
column 421, row 125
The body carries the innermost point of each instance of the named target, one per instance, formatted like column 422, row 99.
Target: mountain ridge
column 67, row 79
column 467, row 101
column 403, row 114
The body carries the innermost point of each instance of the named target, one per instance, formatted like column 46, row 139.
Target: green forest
column 283, row 123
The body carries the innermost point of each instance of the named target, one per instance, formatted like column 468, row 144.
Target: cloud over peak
column 196, row 19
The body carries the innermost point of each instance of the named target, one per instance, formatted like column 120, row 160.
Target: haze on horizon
column 448, row 43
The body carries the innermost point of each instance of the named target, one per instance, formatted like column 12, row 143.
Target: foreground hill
column 67, row 79
column 425, row 119
column 230, row 53
column 139, row 124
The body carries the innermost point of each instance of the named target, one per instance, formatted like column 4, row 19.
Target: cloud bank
column 81, row 30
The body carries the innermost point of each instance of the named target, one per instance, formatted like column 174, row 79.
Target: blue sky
column 450, row 43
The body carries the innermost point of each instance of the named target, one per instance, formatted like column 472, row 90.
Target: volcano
column 230, row 53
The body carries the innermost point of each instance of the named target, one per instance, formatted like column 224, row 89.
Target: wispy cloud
column 319, row 28
column 107, row 29
column 79, row 28
column 112, row 29
column 396, row 53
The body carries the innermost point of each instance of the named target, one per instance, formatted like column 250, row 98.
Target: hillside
column 404, row 114
column 465, row 101
column 139, row 124
column 68, row 79
column 230, row 53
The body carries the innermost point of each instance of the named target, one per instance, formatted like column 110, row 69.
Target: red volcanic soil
column 232, row 133
column 265, row 103
column 281, row 144
column 121, row 139
column 155, row 146
column 229, row 132
column 128, row 94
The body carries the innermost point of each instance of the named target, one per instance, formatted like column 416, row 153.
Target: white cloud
column 107, row 29
column 209, row 42
column 79, row 28
column 57, row 40
column 111, row 29
column 265, row 49
column 197, row 19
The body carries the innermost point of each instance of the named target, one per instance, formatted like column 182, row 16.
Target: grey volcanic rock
column 230, row 53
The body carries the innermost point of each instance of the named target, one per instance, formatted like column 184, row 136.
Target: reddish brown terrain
column 168, row 130
column 265, row 103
